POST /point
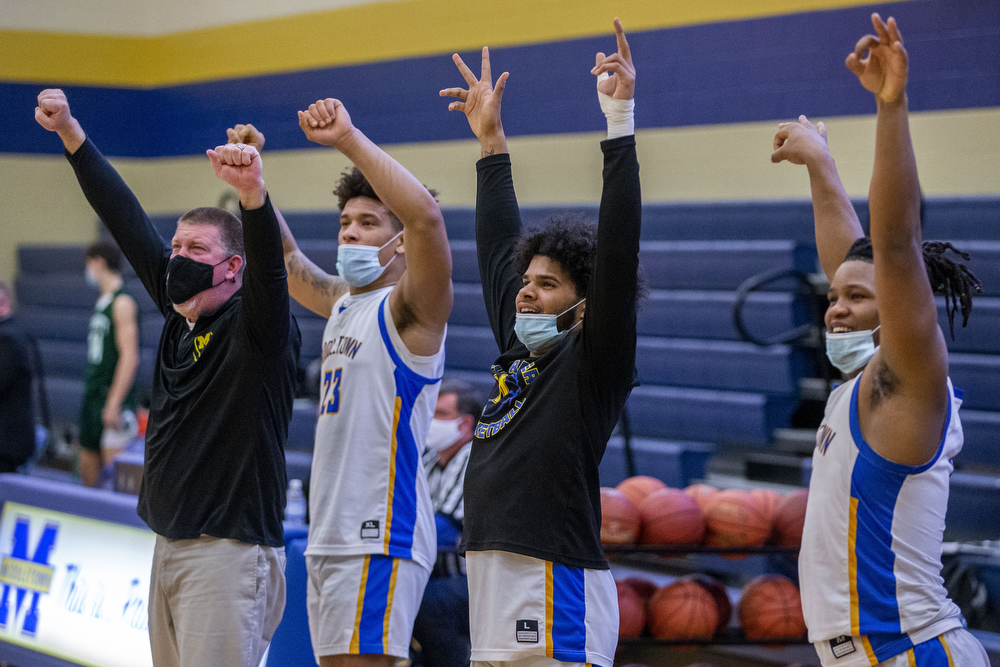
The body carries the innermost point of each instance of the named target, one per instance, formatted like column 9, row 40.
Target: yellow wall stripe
column 947, row 650
column 350, row 35
column 392, row 476
column 388, row 606
column 852, row 565
column 356, row 637
column 548, row 609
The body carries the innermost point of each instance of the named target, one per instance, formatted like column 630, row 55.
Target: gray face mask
column 851, row 350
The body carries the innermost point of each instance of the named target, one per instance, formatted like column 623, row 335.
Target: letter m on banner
column 26, row 573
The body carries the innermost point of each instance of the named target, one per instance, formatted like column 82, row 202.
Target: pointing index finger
column 623, row 48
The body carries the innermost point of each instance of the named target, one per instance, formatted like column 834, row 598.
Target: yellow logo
column 200, row 343
column 25, row 574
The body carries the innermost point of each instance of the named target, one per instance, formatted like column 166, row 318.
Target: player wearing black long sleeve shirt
column 532, row 484
column 222, row 390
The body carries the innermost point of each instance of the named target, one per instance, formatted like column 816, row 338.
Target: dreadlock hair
column 569, row 239
column 948, row 278
column 353, row 184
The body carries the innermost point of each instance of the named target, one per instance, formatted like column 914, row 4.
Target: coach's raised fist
column 246, row 134
column 240, row 166
column 54, row 115
column 326, row 122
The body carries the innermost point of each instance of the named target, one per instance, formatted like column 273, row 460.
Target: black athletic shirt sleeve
column 609, row 326
column 121, row 212
column 498, row 226
column 265, row 284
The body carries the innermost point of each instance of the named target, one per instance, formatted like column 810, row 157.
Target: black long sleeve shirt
column 17, row 414
column 532, row 484
column 222, row 391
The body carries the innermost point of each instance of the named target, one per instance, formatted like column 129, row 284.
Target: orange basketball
column 631, row 611
column 771, row 608
column 735, row 519
column 718, row 592
column 644, row 587
column 670, row 516
column 620, row 522
column 682, row 610
column 638, row 487
column 790, row 517
column 768, row 500
column 701, row 493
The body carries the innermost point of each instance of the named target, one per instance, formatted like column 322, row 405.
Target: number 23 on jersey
column 331, row 392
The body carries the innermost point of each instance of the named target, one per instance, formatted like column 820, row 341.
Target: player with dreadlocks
column 870, row 563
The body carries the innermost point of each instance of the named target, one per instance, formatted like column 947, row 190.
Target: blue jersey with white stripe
column 368, row 490
column 870, row 564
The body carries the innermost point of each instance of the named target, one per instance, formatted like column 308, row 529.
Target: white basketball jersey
column 368, row 491
column 870, row 564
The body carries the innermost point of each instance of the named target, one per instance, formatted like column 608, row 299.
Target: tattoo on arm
column 487, row 153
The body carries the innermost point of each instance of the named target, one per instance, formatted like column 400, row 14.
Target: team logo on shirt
column 369, row 529
column 200, row 343
column 824, row 436
column 526, row 631
column 507, row 400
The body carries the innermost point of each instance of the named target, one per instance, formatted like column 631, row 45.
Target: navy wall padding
column 469, row 308
column 984, row 262
column 704, row 415
column 60, row 290
column 978, row 376
column 63, row 358
column 55, row 323
column 953, row 46
column 298, row 465
column 972, row 507
column 311, row 329
column 709, row 314
column 51, row 259
column 149, row 330
column 720, row 265
column 982, row 334
column 464, row 262
column 470, row 348
column 982, row 440
column 302, row 427
column 727, row 365
column 65, row 398
column 675, row 463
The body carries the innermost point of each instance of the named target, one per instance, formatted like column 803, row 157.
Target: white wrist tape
column 620, row 113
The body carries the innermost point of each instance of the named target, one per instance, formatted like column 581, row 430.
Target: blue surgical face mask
column 359, row 265
column 538, row 331
column 851, row 350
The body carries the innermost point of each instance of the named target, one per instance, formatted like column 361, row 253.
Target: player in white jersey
column 371, row 531
column 870, row 564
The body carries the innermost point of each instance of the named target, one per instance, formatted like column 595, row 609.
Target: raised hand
column 326, row 122
column 54, row 115
column 481, row 102
column 884, row 71
column 800, row 142
column 246, row 134
column 240, row 166
column 620, row 82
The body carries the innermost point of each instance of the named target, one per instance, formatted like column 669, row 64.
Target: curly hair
column 353, row 184
column 569, row 239
column 948, row 278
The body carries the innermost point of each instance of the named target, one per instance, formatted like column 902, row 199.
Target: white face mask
column 851, row 350
column 539, row 330
column 359, row 265
column 443, row 433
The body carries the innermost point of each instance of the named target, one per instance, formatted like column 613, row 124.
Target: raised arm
column 264, row 314
column 836, row 221
column 911, row 366
column 609, row 326
column 110, row 198
column 421, row 302
column 498, row 219
column 308, row 284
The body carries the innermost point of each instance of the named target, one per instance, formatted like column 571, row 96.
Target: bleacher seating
column 702, row 387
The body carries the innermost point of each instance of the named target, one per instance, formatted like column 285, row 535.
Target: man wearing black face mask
column 213, row 488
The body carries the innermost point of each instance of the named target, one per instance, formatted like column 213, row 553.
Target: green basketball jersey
column 102, row 351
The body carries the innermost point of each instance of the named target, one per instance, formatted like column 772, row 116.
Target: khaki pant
column 214, row 602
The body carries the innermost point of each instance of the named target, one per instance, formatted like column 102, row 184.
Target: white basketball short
column 363, row 604
column 523, row 608
column 532, row 661
column 955, row 648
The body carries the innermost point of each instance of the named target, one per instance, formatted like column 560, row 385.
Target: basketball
column 682, row 610
column 790, row 517
column 631, row 611
column 640, row 486
column 769, row 500
column 771, row 608
column 644, row 587
column 620, row 523
column 701, row 493
column 670, row 516
column 718, row 591
column 735, row 519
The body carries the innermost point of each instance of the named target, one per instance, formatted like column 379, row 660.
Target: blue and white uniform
column 372, row 539
column 870, row 563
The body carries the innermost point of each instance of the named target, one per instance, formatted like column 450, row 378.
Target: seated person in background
column 870, row 565
column 442, row 624
column 107, row 415
column 17, row 420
